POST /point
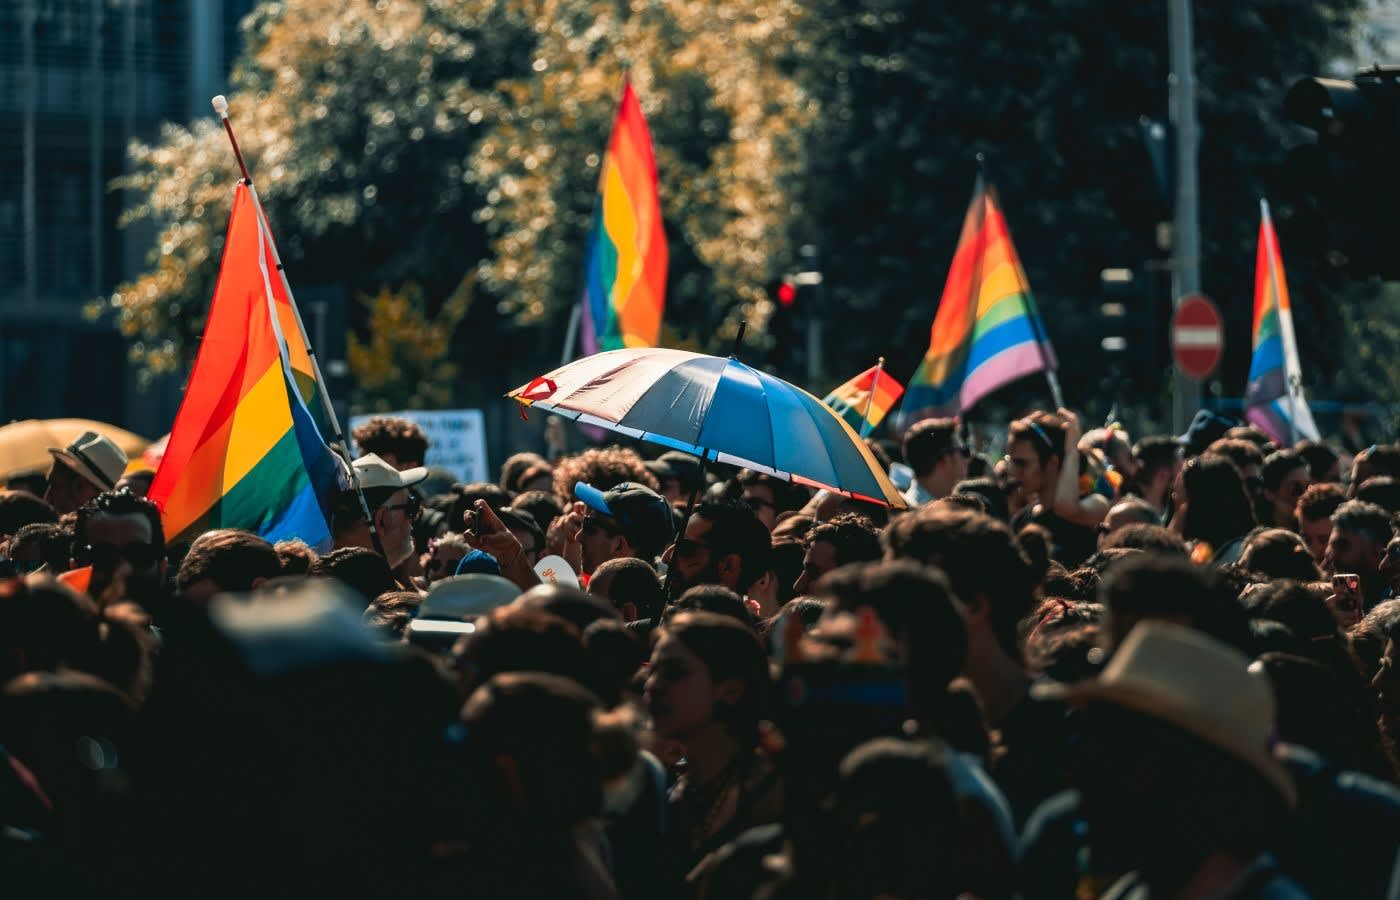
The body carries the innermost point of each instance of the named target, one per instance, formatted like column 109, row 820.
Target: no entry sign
column 1198, row 340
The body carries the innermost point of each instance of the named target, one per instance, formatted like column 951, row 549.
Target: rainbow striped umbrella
column 718, row 409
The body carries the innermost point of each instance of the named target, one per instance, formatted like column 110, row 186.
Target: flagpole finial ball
column 220, row 105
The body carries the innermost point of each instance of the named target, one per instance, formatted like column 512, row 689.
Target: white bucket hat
column 95, row 458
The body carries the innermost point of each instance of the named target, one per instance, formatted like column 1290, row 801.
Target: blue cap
column 478, row 562
column 593, row 498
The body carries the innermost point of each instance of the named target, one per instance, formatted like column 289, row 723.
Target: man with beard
column 724, row 543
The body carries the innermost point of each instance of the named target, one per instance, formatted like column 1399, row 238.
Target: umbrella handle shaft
column 685, row 520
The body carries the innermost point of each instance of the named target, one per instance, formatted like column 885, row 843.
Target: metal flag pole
column 338, row 444
column 870, row 401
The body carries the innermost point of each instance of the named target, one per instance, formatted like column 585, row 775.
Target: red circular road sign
column 1198, row 338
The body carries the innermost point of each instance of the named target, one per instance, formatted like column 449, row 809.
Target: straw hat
column 95, row 458
column 1183, row 677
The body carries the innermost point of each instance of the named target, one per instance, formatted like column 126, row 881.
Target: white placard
column 456, row 439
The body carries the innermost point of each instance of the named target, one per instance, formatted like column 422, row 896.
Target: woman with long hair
column 1214, row 509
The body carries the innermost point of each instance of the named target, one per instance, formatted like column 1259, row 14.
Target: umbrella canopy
column 718, row 409
column 24, row 445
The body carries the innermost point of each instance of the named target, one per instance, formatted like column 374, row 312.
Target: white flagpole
column 870, row 401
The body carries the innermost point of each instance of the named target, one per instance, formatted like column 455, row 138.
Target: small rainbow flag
column 625, row 261
column 1274, row 398
column 245, row 451
column 987, row 332
column 864, row 400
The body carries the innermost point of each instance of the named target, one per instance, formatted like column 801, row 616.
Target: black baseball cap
column 643, row 515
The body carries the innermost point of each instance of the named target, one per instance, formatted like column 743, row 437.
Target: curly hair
column 603, row 468
column 390, row 434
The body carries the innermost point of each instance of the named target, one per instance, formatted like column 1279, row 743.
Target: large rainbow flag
column 987, row 332
column 245, row 451
column 625, row 261
column 1274, row 399
column 864, row 400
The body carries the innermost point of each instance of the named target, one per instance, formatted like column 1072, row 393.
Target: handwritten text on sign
column 456, row 439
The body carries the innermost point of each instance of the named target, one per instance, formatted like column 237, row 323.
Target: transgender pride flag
column 1274, row 399
column 624, row 290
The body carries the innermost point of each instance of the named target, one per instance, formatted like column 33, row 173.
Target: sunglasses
column 411, row 507
column 107, row 556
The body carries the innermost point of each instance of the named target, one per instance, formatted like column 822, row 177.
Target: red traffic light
column 787, row 293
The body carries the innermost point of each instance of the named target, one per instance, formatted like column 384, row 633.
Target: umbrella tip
column 739, row 339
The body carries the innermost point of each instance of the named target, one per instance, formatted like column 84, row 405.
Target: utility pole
column 1186, row 226
column 28, row 22
column 810, row 275
column 96, row 143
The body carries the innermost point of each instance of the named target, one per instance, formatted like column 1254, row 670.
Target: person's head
column 1175, row 763
column 845, row 539
column 724, row 543
column 392, row 507
column 21, row 508
column 1035, row 450
column 1128, row 511
column 297, row 557
column 1382, row 490
column 1218, row 508
column 120, row 536
column 603, row 468
column 989, row 572
column 464, row 499
column 708, row 672
column 445, row 552
column 630, row 585
column 1115, row 447
column 543, row 506
column 1149, row 538
column 1157, row 460
column 50, row 546
column 82, row 470
column 1170, row 589
column 1206, row 428
column 44, row 626
column 517, row 638
column 1360, row 532
column 711, row 598
column 1381, row 459
column 1247, row 458
column 362, row 570
column 1286, row 477
column 138, row 482
column 574, row 606
column 933, row 449
column 225, row 560
column 389, row 613
column 1313, row 513
column 515, row 469
column 770, row 497
column 526, row 530
column 1278, row 553
column 398, row 442
column 625, row 520
column 990, row 490
column 1324, row 465
column 1305, row 613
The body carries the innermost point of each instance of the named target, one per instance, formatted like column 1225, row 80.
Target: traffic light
column 1128, row 329
column 784, row 325
column 1343, row 188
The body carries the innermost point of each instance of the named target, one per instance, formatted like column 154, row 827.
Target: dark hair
column 786, row 495
column 1319, row 501
column 572, row 605
column 1163, row 587
column 970, row 502
column 21, row 508
column 785, row 559
column 1320, row 458
column 362, row 570
column 1279, row 553
column 1316, row 710
column 990, row 491
column 851, row 535
column 1156, row 453
column 521, row 520
column 391, row 434
column 1151, row 538
column 711, row 598
column 926, row 442
column 633, row 581
column 1045, row 431
column 54, row 544
column 347, row 513
column 736, row 528
column 44, row 625
column 980, row 557
column 1366, row 519
column 517, row 638
column 465, row 501
column 517, row 465
column 1240, row 452
column 1382, row 490
column 1384, row 459
column 1218, row 507
column 119, row 503
column 232, row 559
column 603, row 468
column 1252, row 434
column 543, row 505
column 296, row 556
column 1067, row 654
column 390, row 613
column 1278, row 465
column 728, row 649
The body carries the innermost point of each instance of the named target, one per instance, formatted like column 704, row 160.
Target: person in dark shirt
column 1042, row 457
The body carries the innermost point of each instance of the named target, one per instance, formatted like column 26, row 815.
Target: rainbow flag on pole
column 1274, row 398
column 245, row 451
column 625, row 261
column 864, row 400
column 987, row 332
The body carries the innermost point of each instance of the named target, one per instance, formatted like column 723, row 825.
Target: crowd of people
column 1093, row 667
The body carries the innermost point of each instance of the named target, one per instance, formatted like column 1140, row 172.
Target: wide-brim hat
column 464, row 597
column 373, row 472
column 1187, row 679
column 94, row 457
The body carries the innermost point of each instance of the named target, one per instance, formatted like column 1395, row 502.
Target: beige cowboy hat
column 94, row 457
column 1192, row 681
column 374, row 472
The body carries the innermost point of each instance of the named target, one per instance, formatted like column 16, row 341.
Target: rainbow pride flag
column 987, row 332
column 1274, row 397
column 864, row 400
column 625, row 261
column 245, row 451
